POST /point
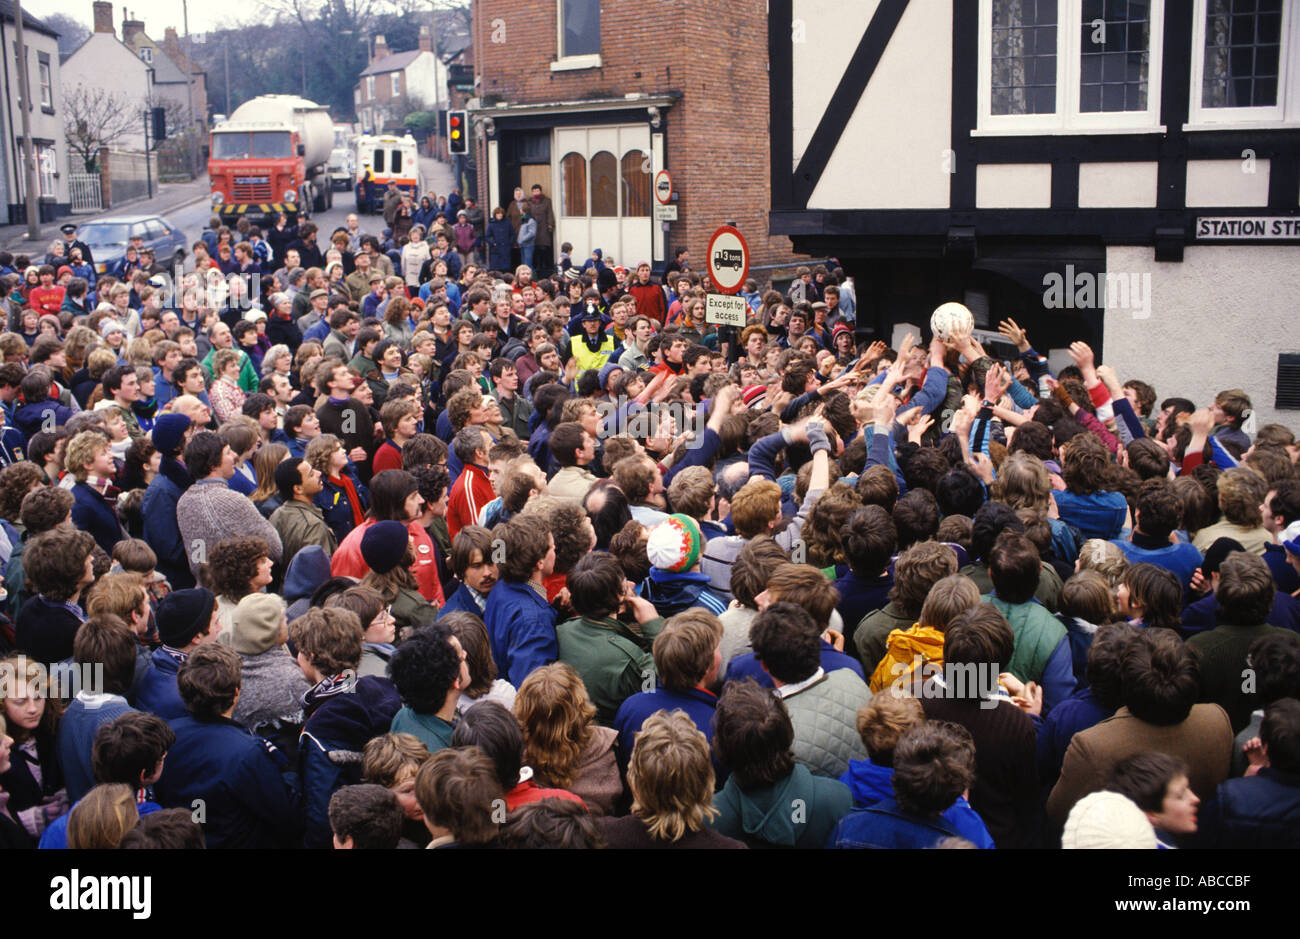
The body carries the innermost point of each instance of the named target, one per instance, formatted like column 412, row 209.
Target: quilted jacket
column 825, row 715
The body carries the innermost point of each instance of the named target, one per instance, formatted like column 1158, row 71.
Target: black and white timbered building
column 1124, row 170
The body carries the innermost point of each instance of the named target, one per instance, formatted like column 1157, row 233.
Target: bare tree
column 94, row 118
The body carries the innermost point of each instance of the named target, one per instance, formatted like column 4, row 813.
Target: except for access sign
column 725, row 311
column 663, row 187
column 728, row 259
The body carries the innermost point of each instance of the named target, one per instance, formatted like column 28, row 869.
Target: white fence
column 85, row 192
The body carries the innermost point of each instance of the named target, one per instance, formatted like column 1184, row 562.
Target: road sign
column 725, row 311
column 663, row 187
column 728, row 259
column 665, row 213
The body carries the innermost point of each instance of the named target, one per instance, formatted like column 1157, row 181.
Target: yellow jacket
column 906, row 650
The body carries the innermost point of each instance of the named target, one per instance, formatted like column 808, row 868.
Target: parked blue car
column 108, row 238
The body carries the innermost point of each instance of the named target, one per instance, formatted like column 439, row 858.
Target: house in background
column 1128, row 173
column 171, row 86
column 591, row 98
column 45, row 112
column 395, row 84
column 103, row 61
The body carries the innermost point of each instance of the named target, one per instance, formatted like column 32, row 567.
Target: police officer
column 71, row 241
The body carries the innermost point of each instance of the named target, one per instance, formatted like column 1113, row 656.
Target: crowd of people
column 404, row 542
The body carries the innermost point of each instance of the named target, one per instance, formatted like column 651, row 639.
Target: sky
column 156, row 14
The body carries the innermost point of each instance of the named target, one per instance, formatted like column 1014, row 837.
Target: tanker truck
column 272, row 156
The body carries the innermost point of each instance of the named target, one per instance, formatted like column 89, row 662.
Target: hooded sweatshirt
column 762, row 817
column 309, row 569
column 342, row 718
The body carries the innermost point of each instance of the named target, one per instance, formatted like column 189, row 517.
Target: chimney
column 381, row 48
column 130, row 27
column 103, row 17
column 426, row 41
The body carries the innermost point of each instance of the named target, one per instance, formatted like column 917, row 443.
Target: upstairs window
column 577, row 34
column 1242, row 59
column 1066, row 66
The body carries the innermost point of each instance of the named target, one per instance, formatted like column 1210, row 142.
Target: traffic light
column 457, row 141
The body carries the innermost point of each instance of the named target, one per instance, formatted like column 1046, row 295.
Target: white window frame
column 1288, row 80
column 395, row 79
column 1068, row 119
column 567, row 63
column 45, row 77
column 147, row 54
column 370, row 88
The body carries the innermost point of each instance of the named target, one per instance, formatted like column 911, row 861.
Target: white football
column 951, row 319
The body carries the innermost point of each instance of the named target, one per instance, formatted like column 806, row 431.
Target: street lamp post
column 189, row 88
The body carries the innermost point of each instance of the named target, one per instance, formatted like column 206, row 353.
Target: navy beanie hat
column 184, row 614
column 169, row 433
column 384, row 545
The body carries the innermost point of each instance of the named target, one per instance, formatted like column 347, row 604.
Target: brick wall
column 714, row 55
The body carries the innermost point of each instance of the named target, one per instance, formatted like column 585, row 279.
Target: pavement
column 435, row 176
column 168, row 197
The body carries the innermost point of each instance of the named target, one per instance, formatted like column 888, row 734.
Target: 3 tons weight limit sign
column 728, row 259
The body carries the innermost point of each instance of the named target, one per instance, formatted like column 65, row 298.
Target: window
column 577, row 34
column 1062, row 66
column 397, row 84
column 573, row 185
column 379, row 160
column 604, row 188
column 147, row 54
column 579, row 27
column 1288, row 382
column 1240, row 67
column 370, row 88
column 1114, row 56
column 46, row 167
column 395, row 159
column 1024, row 57
column 47, row 93
column 636, row 184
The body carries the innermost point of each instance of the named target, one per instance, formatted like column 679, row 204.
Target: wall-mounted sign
column 1248, row 228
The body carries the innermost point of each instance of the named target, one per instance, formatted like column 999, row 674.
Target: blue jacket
column 462, row 601
column 158, row 693
column 335, row 504
column 500, row 238
column 672, row 593
column 872, row 784
column 92, row 513
column 1284, row 575
column 30, row 418
column 699, row 705
column 238, row 781
column 885, row 825
column 858, row 597
column 76, row 739
column 1099, row 515
column 331, row 743
column 1260, row 811
column 1204, row 614
column 161, row 530
column 1182, row 559
column 521, row 627
column 55, row 837
column 748, row 666
column 1055, row 731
